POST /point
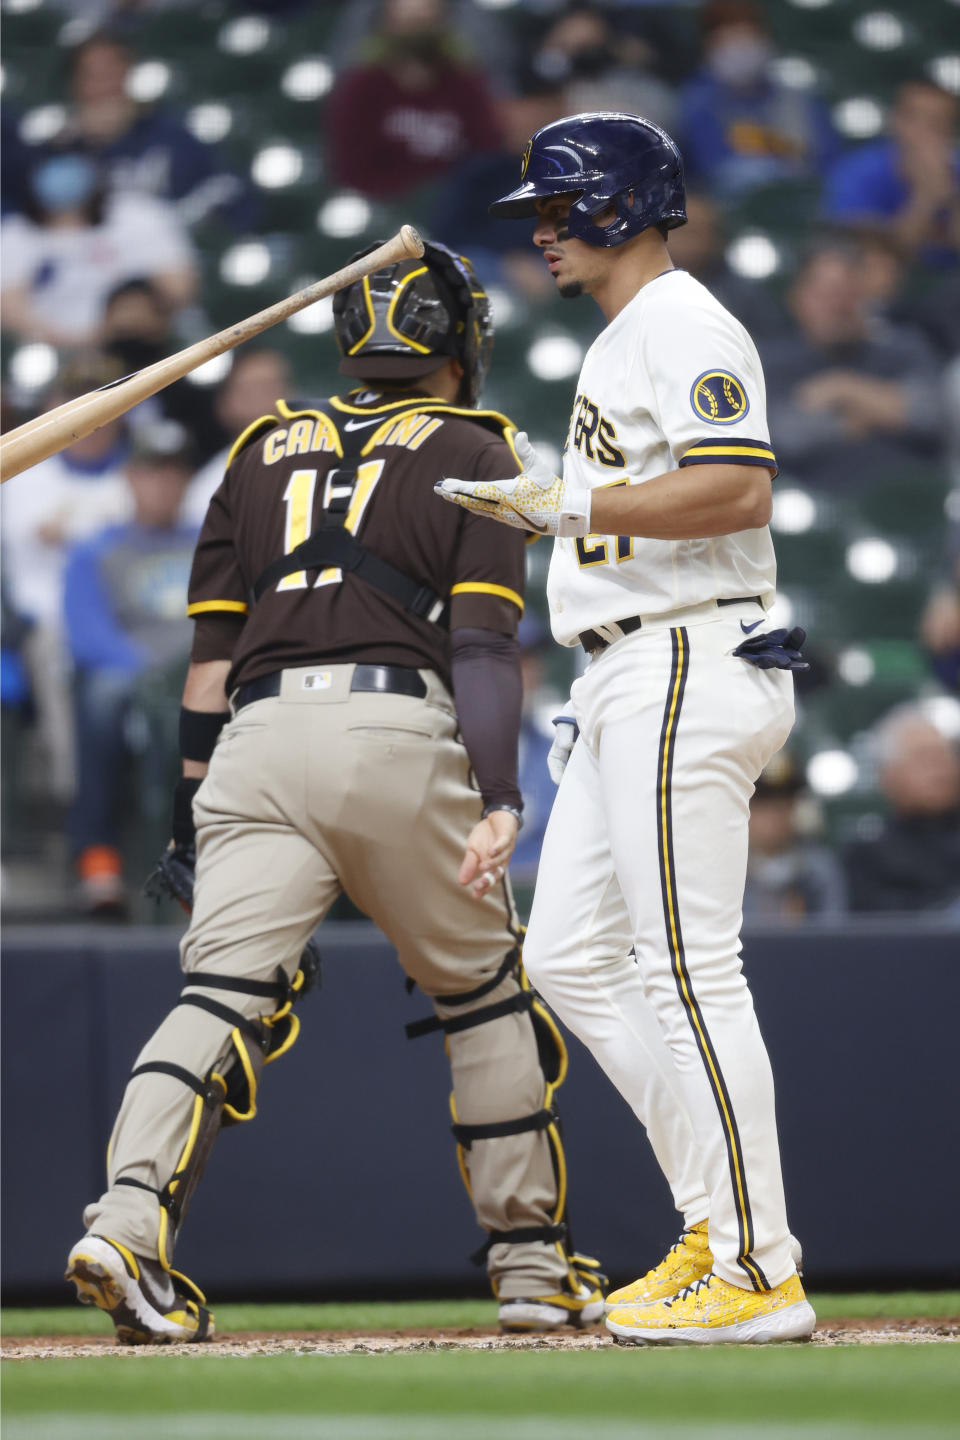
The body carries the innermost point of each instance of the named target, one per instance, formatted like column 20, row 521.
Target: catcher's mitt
column 172, row 879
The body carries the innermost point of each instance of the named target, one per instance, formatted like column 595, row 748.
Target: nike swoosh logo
column 747, row 628
column 362, row 424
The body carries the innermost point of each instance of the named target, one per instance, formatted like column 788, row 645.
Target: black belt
column 382, row 679
column 592, row 640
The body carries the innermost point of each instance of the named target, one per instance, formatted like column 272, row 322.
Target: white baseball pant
column 647, row 847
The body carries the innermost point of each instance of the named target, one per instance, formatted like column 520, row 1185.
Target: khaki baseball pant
column 319, row 791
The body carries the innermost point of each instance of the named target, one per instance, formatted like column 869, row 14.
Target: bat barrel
column 45, row 435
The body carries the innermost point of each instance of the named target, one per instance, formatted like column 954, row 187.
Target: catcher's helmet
column 602, row 157
column 405, row 320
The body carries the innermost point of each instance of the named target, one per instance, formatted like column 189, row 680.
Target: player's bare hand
column 536, row 499
column 488, row 852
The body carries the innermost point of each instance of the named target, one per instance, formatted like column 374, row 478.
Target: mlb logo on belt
column 317, row 680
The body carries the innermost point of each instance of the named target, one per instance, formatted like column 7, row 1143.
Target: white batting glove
column 536, row 499
column 567, row 731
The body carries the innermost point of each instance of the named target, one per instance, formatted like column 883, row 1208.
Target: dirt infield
column 840, row 1331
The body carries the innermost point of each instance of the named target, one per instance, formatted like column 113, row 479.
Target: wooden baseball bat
column 46, row 434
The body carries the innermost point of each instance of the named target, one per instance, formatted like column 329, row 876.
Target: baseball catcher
column 349, row 725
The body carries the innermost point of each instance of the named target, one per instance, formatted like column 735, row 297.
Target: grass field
column 841, row 1388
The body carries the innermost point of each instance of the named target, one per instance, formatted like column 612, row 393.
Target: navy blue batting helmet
column 602, row 157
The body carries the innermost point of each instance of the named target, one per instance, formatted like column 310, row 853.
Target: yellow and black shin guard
column 552, row 1054
column 224, row 1097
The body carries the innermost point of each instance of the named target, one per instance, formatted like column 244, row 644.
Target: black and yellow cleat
column 552, row 1312
column 145, row 1303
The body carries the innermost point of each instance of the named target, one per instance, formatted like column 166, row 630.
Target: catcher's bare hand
column 488, row 852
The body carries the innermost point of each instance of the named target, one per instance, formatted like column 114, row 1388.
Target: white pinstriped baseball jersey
column 673, row 380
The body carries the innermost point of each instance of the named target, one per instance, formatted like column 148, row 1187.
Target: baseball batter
column 360, row 630
column 664, row 572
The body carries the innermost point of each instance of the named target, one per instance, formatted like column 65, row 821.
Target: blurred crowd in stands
column 837, row 244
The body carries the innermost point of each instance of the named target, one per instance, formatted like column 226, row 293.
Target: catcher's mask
column 402, row 322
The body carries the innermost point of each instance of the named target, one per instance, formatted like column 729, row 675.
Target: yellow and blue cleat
column 684, row 1263
column 713, row 1312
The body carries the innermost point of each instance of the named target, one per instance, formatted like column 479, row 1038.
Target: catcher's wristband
column 183, row 829
column 510, row 810
column 198, row 732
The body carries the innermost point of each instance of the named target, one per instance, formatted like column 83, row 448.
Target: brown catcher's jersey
column 273, row 496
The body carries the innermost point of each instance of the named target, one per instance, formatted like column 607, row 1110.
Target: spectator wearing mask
column 415, row 110
column 148, row 149
column 849, row 396
column 739, row 126
column 480, row 33
column 603, row 68
column 914, row 862
column 62, row 259
column 257, row 377
column 60, row 501
column 789, row 875
column 909, row 181
column 137, row 329
column 125, row 600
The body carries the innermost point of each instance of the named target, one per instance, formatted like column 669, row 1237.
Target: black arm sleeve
column 488, row 691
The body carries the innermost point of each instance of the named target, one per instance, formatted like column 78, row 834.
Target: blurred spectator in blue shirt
column 739, row 126
column 148, row 149
column 910, row 181
column 62, row 500
column 125, row 604
column 849, row 396
column 77, row 242
column 789, row 875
